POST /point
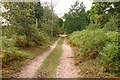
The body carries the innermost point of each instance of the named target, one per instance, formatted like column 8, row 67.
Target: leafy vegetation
column 26, row 35
column 88, row 40
column 31, row 28
column 98, row 43
column 100, row 37
column 46, row 22
column 9, row 51
column 76, row 18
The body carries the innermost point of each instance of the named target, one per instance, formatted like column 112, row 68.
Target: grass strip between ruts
column 49, row 66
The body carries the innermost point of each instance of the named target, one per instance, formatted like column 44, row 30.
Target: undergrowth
column 98, row 43
column 14, row 58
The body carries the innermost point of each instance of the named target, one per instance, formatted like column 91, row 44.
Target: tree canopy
column 76, row 18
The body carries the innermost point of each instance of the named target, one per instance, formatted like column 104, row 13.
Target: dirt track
column 30, row 70
column 66, row 68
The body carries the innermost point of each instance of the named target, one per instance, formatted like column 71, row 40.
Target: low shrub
column 21, row 41
column 98, row 42
column 112, row 24
column 9, row 51
column 89, row 41
column 36, row 37
column 11, row 45
column 39, row 39
column 110, row 56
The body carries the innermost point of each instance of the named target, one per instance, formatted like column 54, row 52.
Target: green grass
column 49, row 66
column 16, row 65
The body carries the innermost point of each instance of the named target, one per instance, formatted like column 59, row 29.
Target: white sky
column 62, row 6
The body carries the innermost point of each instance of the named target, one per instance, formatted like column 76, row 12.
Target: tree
column 76, row 18
column 102, row 11
column 38, row 13
column 22, row 19
column 59, row 22
column 47, row 21
column 20, row 13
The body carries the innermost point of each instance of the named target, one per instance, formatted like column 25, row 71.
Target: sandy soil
column 30, row 70
column 66, row 68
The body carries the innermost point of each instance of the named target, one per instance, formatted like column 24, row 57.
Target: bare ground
column 66, row 68
column 30, row 70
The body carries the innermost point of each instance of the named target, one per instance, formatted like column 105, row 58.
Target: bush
column 21, row 41
column 35, row 37
column 98, row 42
column 112, row 36
column 9, row 51
column 38, row 39
column 89, row 41
column 113, row 24
column 93, row 26
column 23, row 38
column 32, row 36
column 110, row 56
column 8, row 31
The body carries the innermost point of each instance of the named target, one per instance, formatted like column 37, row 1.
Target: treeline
column 96, row 33
column 29, row 26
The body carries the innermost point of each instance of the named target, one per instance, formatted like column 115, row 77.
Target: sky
column 62, row 6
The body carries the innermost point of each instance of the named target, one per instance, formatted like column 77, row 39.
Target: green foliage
column 11, row 43
column 100, row 38
column 9, row 51
column 92, row 26
column 23, row 16
column 88, row 40
column 47, row 24
column 76, row 19
column 97, row 12
column 21, row 41
column 8, row 31
column 112, row 36
column 38, row 10
column 22, row 32
column 59, row 22
column 113, row 24
column 38, row 14
column 98, row 42
column 11, row 46
column 58, row 28
column 110, row 56
column 19, row 13
column 101, row 12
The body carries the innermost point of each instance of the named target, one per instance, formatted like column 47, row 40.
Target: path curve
column 66, row 68
column 30, row 70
